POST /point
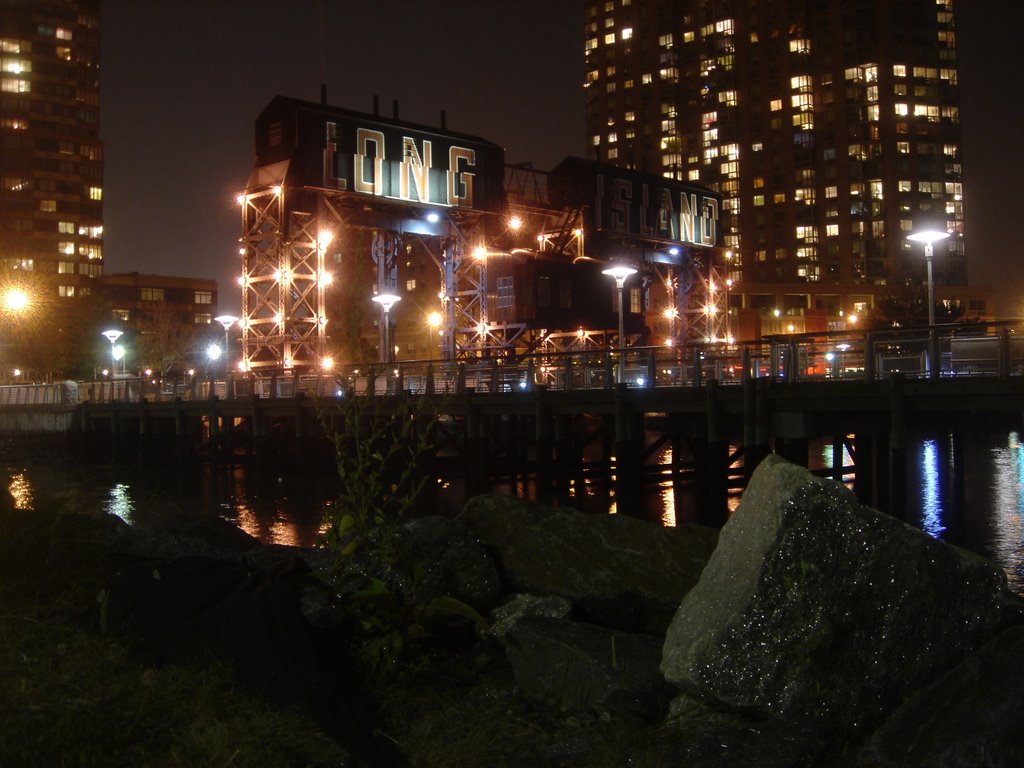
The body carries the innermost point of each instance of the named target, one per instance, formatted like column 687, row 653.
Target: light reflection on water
column 978, row 504
column 931, row 499
column 1008, row 492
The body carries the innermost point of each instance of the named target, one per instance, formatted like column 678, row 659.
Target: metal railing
column 938, row 352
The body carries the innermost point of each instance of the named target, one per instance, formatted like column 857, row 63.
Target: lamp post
column 620, row 273
column 929, row 237
column 386, row 301
column 112, row 337
column 227, row 321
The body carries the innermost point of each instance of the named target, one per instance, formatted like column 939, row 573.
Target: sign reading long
column 414, row 170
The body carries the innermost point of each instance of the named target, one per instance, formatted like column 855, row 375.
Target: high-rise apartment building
column 830, row 127
column 51, row 157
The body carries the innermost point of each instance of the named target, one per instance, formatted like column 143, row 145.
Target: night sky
column 183, row 82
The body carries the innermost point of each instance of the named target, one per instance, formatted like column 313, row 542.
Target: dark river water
column 973, row 497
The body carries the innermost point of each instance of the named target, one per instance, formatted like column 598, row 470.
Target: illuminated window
column 800, row 45
column 758, row 201
column 609, row 38
column 635, row 301
column 630, row 117
column 903, row 147
column 627, row 32
column 899, row 70
column 49, row 206
column 95, row 193
column 410, row 285
column 66, row 290
column 203, row 318
column 688, row 37
column 152, row 294
column 775, row 105
column 831, row 230
column 646, row 78
column 65, row 267
column 506, row 295
column 90, row 251
column 831, row 192
column 63, row 34
column 728, row 98
column 15, row 85
column 203, row 297
column 901, row 109
column 694, row 175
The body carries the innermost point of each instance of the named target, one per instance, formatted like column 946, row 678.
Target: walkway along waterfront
column 560, row 418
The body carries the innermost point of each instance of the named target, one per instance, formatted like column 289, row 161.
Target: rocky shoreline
column 810, row 631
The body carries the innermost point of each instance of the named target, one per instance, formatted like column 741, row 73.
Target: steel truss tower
column 285, row 283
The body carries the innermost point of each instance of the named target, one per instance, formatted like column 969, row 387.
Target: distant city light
column 16, row 300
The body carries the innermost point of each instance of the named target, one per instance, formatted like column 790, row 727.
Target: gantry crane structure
column 322, row 171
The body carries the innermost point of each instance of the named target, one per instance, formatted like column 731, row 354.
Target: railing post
column 652, row 369
column 698, row 374
column 428, row 385
column 774, row 358
column 1004, row 353
column 869, row 357
column 400, row 379
column 609, row 371
column 793, row 365
column 531, row 375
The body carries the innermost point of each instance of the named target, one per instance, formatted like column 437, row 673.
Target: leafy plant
column 380, row 451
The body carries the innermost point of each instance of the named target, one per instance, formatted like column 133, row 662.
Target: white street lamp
column 620, row 273
column 116, row 351
column 227, row 321
column 386, row 301
column 929, row 237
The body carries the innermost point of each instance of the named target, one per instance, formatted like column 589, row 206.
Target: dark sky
column 184, row 80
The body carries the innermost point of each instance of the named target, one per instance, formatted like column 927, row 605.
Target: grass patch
column 71, row 697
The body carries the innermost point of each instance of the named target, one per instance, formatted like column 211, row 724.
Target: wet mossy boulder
column 823, row 612
column 971, row 716
column 619, row 571
column 586, row 668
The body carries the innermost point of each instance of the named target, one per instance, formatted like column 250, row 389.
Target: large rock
column 584, row 667
column 972, row 716
column 621, row 571
column 453, row 562
column 822, row 611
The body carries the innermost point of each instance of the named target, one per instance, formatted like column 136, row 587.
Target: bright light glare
column 213, row 351
column 16, row 300
column 434, row 319
column 515, row 223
